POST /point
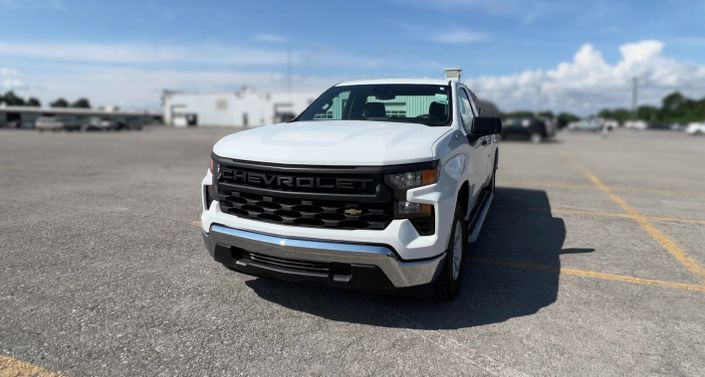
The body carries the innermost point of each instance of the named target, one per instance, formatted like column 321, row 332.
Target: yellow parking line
column 668, row 244
column 675, row 220
column 593, row 274
column 10, row 367
column 627, row 216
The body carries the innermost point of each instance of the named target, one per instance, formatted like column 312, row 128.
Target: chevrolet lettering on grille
column 294, row 182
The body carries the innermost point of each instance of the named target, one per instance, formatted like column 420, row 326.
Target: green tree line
column 12, row 99
column 675, row 108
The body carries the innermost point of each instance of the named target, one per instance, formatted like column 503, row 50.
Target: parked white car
column 48, row 124
column 58, row 123
column 635, row 125
column 588, row 125
column 378, row 184
column 695, row 129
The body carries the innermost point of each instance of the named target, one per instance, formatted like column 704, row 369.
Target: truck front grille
column 303, row 212
column 339, row 198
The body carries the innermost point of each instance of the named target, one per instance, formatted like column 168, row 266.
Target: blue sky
column 110, row 51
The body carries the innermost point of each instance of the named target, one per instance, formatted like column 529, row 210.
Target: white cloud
column 269, row 38
column 8, row 72
column 140, row 54
column 12, row 84
column 589, row 83
column 458, row 36
column 139, row 89
column 203, row 54
column 133, row 76
column 9, row 79
column 583, row 85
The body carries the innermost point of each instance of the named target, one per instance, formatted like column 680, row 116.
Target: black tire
column 448, row 283
column 493, row 183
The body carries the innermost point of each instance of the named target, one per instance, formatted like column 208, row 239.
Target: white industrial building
column 244, row 108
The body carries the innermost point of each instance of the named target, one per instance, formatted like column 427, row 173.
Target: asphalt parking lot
column 590, row 263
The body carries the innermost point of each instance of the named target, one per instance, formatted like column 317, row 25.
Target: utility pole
column 537, row 108
column 288, row 73
column 635, row 95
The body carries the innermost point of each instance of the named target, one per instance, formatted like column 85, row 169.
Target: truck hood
column 340, row 142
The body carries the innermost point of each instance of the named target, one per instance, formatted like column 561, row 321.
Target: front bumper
column 400, row 235
column 340, row 264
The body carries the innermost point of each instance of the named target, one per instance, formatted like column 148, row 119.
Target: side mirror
column 485, row 126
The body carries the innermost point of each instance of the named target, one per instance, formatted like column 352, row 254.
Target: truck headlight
column 413, row 179
column 420, row 214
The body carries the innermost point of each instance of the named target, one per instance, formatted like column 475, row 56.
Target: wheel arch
column 464, row 198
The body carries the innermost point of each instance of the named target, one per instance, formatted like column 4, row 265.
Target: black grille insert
column 310, row 268
column 289, row 263
column 303, row 212
column 311, row 197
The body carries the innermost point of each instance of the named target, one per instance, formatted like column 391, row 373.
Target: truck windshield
column 410, row 103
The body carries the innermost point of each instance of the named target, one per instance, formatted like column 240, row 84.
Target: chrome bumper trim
column 400, row 273
column 306, row 244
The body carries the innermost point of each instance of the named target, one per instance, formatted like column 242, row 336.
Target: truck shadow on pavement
column 513, row 271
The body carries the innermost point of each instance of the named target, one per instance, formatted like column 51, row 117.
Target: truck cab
column 378, row 184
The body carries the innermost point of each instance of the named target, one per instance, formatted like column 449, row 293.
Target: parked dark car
column 659, row 126
column 533, row 129
column 101, row 124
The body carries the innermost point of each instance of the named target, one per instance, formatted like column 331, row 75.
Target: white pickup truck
column 378, row 184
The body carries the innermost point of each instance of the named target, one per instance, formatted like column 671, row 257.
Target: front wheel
column 535, row 138
column 448, row 283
